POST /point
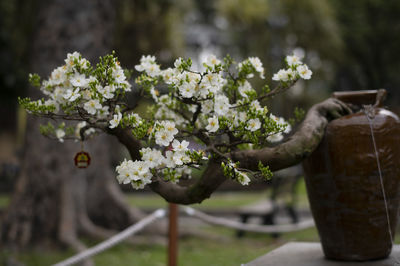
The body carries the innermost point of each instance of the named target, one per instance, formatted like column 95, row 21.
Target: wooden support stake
column 173, row 235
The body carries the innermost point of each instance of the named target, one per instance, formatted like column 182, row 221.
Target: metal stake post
column 173, row 235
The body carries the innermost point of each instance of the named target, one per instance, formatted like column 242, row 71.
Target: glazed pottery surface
column 344, row 187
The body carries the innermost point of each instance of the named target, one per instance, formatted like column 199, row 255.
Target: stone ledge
column 310, row 254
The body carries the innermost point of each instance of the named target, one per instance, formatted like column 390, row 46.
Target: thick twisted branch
column 211, row 179
column 289, row 153
column 125, row 137
column 298, row 146
column 202, row 189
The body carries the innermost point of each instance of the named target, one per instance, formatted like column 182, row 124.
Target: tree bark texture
column 54, row 200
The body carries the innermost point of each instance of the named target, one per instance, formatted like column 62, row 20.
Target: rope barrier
column 285, row 228
column 160, row 213
column 113, row 240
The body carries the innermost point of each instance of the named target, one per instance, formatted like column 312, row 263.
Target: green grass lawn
column 193, row 251
column 223, row 249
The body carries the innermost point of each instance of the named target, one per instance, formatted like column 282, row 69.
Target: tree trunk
column 53, row 200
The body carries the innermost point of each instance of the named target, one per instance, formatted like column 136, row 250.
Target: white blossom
column 58, row 95
column 245, row 88
column 180, row 146
column 170, row 127
column 129, row 171
column 135, row 119
column 212, row 82
column 71, row 95
column 139, row 169
column 207, row 106
column 152, row 157
column 185, row 170
column 239, row 117
column 212, row 60
column 84, row 63
column 187, row 90
column 78, row 128
column 168, row 75
column 115, row 121
column 148, row 65
column 192, row 108
column 60, row 134
column 256, row 63
column 154, row 94
column 153, row 70
column 178, row 62
column 304, row 71
column 293, row 60
column 90, row 131
column 124, row 171
column 221, row 105
column 92, row 106
column 287, row 129
column 282, row 75
column 87, row 94
column 79, row 80
column 256, row 106
column 280, row 122
column 253, row 124
column 163, row 137
column 71, row 58
column 243, row 178
column 202, row 90
column 140, row 184
column 118, row 74
column 169, row 160
column 180, row 158
column 58, row 76
column 81, row 125
column 213, row 124
column 192, row 77
column 106, row 91
column 275, row 137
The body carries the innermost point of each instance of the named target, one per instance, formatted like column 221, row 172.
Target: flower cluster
column 296, row 69
column 139, row 172
column 217, row 107
column 283, row 125
column 79, row 90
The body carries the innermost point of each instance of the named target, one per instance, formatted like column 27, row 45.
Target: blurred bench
column 283, row 183
column 264, row 209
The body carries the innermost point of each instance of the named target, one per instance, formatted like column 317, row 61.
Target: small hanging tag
column 82, row 159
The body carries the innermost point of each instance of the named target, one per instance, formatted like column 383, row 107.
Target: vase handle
column 380, row 97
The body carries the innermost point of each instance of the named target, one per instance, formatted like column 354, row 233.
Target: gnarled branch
column 289, row 153
column 298, row 146
column 125, row 137
column 211, row 179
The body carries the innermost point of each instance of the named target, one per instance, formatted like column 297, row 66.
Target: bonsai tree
column 216, row 107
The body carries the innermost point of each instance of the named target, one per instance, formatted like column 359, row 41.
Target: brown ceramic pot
column 343, row 182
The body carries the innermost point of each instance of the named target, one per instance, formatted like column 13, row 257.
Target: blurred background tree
column 349, row 45
column 53, row 201
column 370, row 30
